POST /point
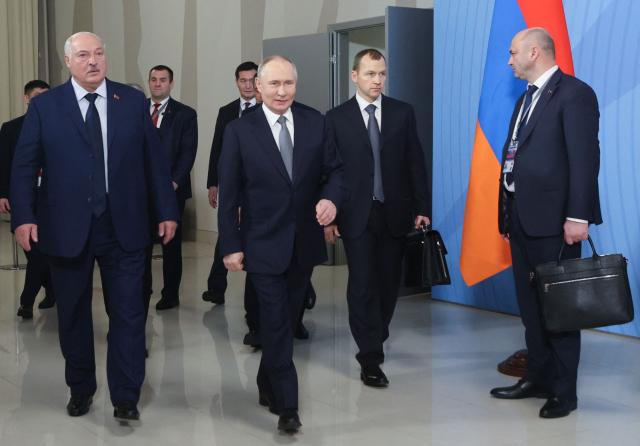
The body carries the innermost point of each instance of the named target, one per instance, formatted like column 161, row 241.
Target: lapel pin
column 116, row 97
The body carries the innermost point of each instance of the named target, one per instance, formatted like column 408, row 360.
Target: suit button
column 89, row 200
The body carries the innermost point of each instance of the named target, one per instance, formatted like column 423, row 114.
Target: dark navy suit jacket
column 558, row 159
column 404, row 177
column 54, row 138
column 9, row 133
column 278, row 214
column 179, row 134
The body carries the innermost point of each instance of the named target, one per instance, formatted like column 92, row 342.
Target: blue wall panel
column 604, row 37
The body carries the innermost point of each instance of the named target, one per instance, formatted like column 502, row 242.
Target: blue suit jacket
column 558, row 159
column 179, row 134
column 54, row 137
column 278, row 214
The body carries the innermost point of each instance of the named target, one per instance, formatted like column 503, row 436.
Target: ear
column 66, row 61
column 354, row 75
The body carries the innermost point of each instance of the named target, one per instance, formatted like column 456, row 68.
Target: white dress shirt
column 274, row 125
column 163, row 106
column 101, row 106
column 251, row 101
column 363, row 103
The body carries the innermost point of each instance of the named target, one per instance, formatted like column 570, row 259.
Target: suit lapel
column 299, row 146
column 355, row 116
column 386, row 117
column 72, row 108
column 545, row 97
column 264, row 135
column 168, row 115
column 113, row 108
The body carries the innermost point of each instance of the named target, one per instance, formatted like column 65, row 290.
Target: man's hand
column 5, row 208
column 575, row 232
column 325, row 212
column 233, row 262
column 167, row 230
column 421, row 220
column 213, row 196
column 25, row 233
column 330, row 234
column 175, row 185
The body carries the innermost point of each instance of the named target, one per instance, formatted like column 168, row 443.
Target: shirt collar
column 544, row 77
column 81, row 92
column 251, row 101
column 162, row 102
column 272, row 118
column 363, row 103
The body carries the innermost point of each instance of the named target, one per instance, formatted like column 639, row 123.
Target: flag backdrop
column 484, row 253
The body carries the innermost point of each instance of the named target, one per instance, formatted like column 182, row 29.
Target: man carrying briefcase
column 548, row 193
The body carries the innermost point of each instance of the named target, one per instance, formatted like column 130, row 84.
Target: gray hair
column 275, row 57
column 69, row 41
column 542, row 38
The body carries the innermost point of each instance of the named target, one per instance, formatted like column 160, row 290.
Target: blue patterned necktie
column 94, row 130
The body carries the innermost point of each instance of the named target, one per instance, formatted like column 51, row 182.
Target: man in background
column 37, row 274
column 177, row 126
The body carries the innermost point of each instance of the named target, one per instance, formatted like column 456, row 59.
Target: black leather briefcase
column 425, row 261
column 584, row 293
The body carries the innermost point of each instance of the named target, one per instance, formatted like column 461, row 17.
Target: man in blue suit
column 548, row 195
column 277, row 166
column 94, row 140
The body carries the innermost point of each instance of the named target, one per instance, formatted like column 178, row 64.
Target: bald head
column 532, row 52
column 68, row 44
column 540, row 38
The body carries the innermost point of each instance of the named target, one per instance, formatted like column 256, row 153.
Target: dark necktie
column 286, row 146
column 94, row 131
column 526, row 112
column 374, row 138
column 155, row 114
column 245, row 106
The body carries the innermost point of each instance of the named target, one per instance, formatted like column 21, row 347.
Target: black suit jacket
column 226, row 114
column 278, row 214
column 558, row 159
column 179, row 134
column 402, row 163
column 9, row 134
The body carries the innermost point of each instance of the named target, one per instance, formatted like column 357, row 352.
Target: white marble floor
column 200, row 386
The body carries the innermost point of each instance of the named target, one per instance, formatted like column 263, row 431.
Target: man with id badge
column 548, row 194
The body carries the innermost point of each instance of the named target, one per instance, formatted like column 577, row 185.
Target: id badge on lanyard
column 510, row 157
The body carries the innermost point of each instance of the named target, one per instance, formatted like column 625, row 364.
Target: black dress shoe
column 25, row 312
column 557, row 408
column 521, row 389
column 253, row 339
column 47, row 302
column 301, row 332
column 289, row 422
column 310, row 298
column 265, row 401
column 213, row 297
column 126, row 411
column 79, row 405
column 166, row 303
column 374, row 377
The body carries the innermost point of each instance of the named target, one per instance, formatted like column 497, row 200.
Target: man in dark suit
column 277, row 166
column 177, row 126
column 37, row 274
column 102, row 162
column 245, row 82
column 385, row 174
column 548, row 195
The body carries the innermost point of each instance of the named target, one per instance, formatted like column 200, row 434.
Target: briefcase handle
column 593, row 248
